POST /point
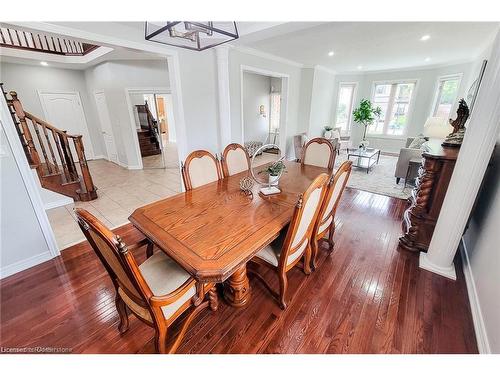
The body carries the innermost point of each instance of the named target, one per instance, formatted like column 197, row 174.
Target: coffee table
column 366, row 158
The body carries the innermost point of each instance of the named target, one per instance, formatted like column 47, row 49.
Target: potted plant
column 328, row 132
column 365, row 114
column 274, row 171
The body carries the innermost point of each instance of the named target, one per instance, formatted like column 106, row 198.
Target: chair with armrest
column 157, row 291
column 288, row 249
column 405, row 155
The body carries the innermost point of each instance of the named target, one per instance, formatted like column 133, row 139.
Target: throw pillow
column 418, row 141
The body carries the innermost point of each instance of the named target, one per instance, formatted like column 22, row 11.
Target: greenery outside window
column 394, row 99
column 446, row 96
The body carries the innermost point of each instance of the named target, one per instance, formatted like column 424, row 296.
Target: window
column 274, row 118
column 446, row 95
column 394, row 99
column 344, row 106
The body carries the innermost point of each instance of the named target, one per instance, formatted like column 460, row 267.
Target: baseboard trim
column 59, row 203
column 24, row 264
column 483, row 344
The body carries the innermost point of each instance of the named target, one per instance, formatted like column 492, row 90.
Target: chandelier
column 196, row 36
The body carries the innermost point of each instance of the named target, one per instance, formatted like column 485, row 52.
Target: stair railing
column 54, row 152
column 152, row 124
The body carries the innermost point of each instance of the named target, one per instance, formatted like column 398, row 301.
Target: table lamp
column 437, row 127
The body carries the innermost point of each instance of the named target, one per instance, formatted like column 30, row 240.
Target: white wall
column 22, row 243
column 422, row 99
column 482, row 240
column 256, row 92
column 237, row 59
column 323, row 88
column 113, row 77
column 27, row 79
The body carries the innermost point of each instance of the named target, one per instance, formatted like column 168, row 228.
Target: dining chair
column 318, row 152
column 325, row 223
column 288, row 249
column 235, row 159
column 200, row 168
column 157, row 291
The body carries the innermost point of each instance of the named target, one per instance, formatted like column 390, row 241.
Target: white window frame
column 353, row 100
column 437, row 92
column 411, row 106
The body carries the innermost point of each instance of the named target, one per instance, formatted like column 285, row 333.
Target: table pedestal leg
column 237, row 288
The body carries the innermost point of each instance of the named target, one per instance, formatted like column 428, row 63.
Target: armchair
column 405, row 155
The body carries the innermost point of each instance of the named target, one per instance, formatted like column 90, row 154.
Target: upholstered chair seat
column 157, row 291
column 293, row 244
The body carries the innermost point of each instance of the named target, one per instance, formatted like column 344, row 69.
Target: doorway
column 106, row 128
column 154, row 120
column 261, row 114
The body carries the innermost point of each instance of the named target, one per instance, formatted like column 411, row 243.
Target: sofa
column 405, row 155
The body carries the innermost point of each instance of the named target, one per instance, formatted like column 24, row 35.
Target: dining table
column 212, row 231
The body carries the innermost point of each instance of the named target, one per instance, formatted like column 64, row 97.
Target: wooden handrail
column 53, row 152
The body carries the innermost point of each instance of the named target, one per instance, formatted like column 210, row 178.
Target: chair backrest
column 336, row 186
column 114, row 255
column 319, row 152
column 200, row 168
column 301, row 226
column 235, row 159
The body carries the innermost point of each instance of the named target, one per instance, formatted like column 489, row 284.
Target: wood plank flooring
column 368, row 296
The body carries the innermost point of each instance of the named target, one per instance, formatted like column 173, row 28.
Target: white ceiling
column 374, row 45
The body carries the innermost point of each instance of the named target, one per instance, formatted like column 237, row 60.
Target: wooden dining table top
column 215, row 228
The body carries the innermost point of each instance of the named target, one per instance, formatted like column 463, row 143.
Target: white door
column 107, row 131
column 64, row 110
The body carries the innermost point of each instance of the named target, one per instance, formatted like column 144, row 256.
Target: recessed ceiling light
column 427, row 59
column 360, row 67
column 43, row 63
column 425, row 37
column 331, row 53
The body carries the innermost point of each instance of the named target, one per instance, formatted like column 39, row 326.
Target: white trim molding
column 265, row 55
column 483, row 344
column 222, row 54
column 475, row 153
column 24, row 264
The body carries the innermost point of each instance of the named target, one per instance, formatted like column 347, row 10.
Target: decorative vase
column 273, row 180
column 328, row 134
column 364, row 144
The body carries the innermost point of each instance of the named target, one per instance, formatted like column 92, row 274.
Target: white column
column 480, row 137
column 222, row 53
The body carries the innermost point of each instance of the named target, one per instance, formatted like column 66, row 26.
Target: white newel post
column 222, row 53
column 476, row 150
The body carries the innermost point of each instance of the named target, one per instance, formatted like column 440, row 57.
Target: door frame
column 101, row 91
column 285, row 84
column 89, row 153
column 143, row 90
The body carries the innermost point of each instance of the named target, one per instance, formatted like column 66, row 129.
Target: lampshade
column 437, row 127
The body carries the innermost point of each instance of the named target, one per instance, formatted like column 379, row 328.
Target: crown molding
column 265, row 55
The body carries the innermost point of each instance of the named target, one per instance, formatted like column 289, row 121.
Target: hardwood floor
column 367, row 297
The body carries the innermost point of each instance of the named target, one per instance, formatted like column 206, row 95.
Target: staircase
column 148, row 134
column 58, row 157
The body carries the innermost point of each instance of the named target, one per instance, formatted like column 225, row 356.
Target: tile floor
column 120, row 192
